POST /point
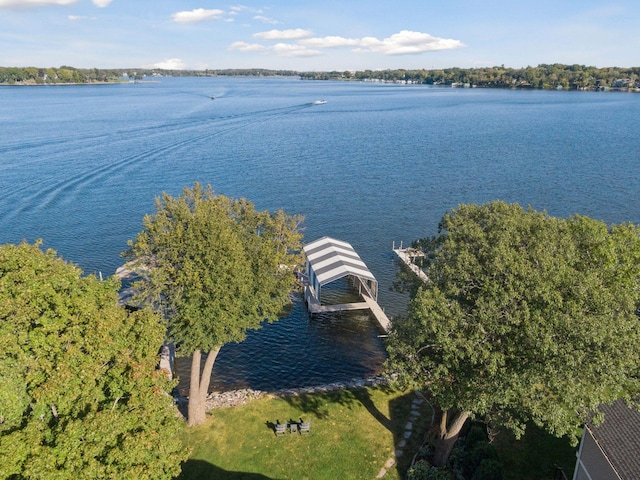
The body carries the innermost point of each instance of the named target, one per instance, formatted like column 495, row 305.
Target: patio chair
column 280, row 429
column 305, row 427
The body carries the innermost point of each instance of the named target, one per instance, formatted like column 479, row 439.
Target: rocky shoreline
column 235, row 398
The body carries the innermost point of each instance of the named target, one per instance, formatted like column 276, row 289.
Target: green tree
column 217, row 267
column 81, row 396
column 527, row 318
column 65, row 75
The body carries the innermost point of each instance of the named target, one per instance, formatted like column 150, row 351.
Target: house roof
column 331, row 259
column 618, row 437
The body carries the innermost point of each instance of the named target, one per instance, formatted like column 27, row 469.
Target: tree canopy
column 81, row 396
column 526, row 318
column 217, row 267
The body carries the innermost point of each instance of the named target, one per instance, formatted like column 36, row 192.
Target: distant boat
column 319, row 102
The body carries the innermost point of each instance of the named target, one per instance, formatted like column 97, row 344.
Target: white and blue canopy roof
column 331, row 259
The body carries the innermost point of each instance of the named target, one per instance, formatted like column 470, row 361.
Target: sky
column 321, row 35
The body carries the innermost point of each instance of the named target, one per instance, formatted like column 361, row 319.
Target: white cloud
column 292, row 34
column 264, row 19
column 76, row 18
column 34, row 3
column 404, row 42
column 101, row 3
column 170, row 64
column 331, row 42
column 293, row 50
column 235, row 9
column 197, row 15
column 280, row 49
column 247, row 47
column 408, row 42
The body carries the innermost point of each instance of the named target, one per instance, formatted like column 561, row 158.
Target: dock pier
column 314, row 306
column 328, row 260
column 406, row 255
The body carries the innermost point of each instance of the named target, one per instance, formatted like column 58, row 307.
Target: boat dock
column 378, row 313
column 328, row 260
column 406, row 255
column 314, row 306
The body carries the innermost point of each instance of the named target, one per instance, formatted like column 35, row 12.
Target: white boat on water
column 319, row 102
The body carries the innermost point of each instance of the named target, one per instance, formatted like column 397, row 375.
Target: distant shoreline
column 24, row 84
column 443, row 85
column 555, row 76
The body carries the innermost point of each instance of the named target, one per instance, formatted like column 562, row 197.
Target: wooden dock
column 403, row 254
column 315, row 307
column 378, row 313
column 369, row 304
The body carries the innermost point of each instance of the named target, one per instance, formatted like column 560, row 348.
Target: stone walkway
column 408, row 431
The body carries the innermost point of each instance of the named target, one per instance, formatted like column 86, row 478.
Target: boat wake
column 50, row 194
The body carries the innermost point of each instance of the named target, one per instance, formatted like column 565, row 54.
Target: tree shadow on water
column 202, row 470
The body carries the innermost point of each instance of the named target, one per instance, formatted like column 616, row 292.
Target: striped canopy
column 329, row 259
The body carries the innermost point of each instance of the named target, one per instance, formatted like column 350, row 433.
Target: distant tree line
column 63, row 74
column 66, row 74
column 555, row 76
column 576, row 77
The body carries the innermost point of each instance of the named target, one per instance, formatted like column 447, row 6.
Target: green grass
column 353, row 434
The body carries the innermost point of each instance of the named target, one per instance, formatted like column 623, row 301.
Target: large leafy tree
column 526, row 318
column 216, row 267
column 80, row 396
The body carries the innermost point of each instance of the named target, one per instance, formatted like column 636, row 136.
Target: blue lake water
column 81, row 165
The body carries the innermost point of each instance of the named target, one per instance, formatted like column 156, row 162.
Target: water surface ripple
column 81, row 165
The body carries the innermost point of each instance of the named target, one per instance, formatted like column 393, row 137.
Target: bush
column 476, row 434
column 474, row 457
column 489, row 469
column 422, row 470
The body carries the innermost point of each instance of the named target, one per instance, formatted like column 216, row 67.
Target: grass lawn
column 353, row 434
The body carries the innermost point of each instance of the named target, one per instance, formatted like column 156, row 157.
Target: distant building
column 621, row 83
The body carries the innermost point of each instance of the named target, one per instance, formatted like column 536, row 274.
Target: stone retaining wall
column 240, row 397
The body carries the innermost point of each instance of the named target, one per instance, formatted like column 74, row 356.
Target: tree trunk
column 199, row 386
column 447, row 436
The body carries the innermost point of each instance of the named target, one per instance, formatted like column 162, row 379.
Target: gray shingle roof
column 619, row 438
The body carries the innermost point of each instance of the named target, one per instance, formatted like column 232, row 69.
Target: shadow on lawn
column 201, row 470
column 315, row 404
column 399, row 412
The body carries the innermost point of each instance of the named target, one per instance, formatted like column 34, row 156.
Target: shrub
column 474, row 457
column 422, row 470
column 489, row 469
column 476, row 434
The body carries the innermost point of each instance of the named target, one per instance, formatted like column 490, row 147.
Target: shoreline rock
column 234, row 398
